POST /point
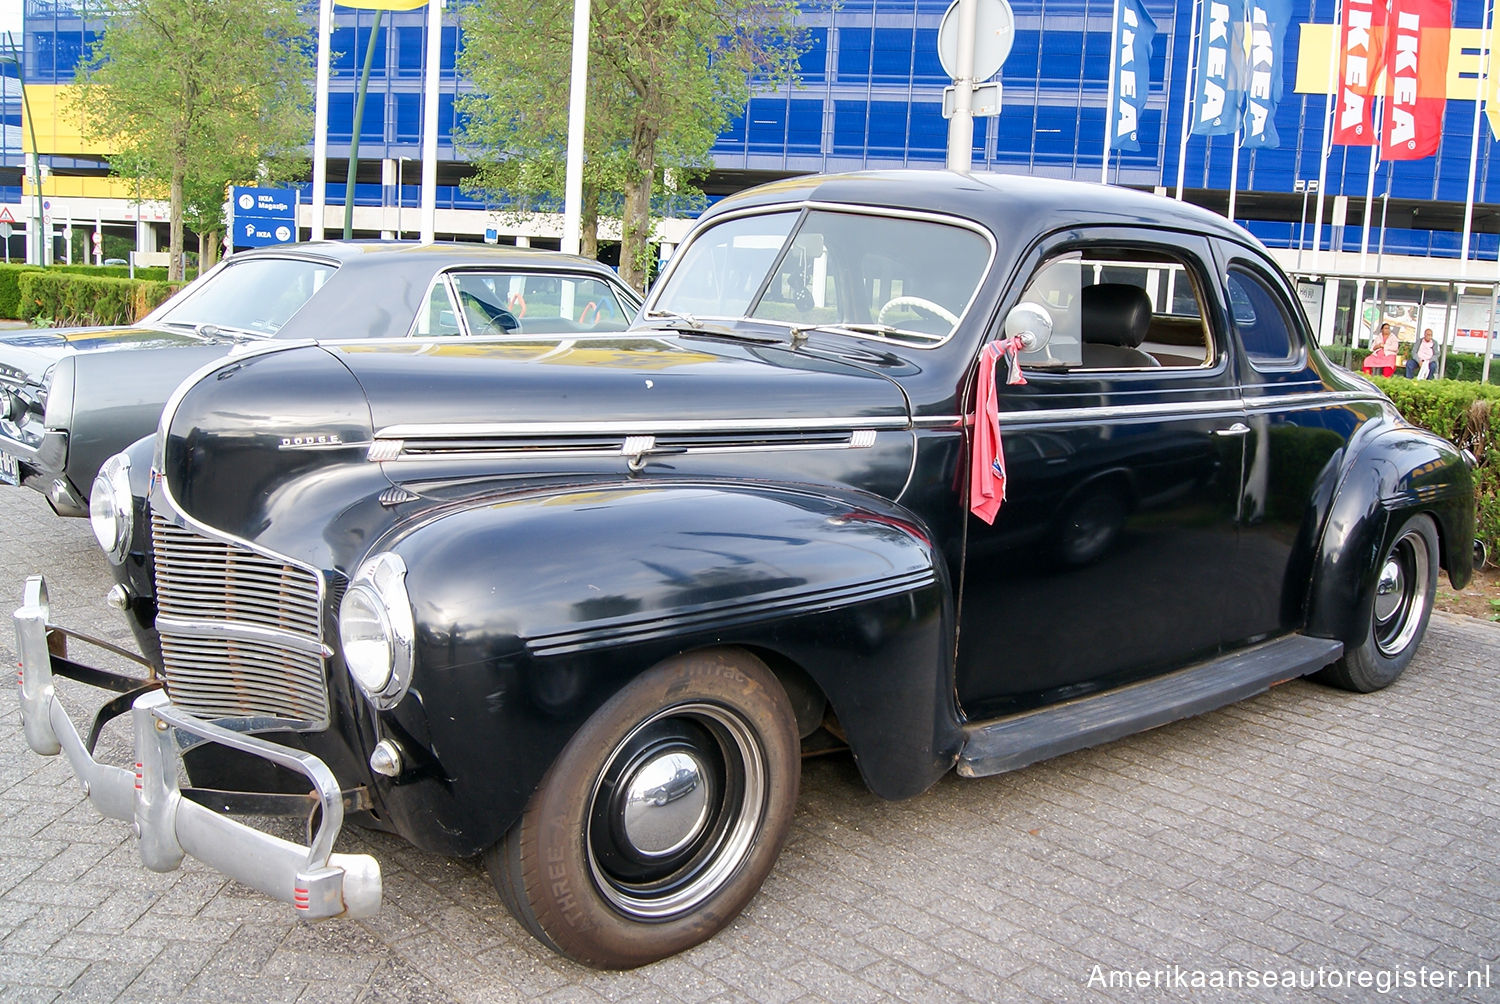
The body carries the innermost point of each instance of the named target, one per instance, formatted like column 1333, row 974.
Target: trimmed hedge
column 83, row 300
column 1469, row 415
column 10, row 275
column 1463, row 366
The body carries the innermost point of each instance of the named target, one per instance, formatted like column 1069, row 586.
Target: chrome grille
column 240, row 631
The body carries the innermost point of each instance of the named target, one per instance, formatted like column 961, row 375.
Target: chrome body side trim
column 644, row 427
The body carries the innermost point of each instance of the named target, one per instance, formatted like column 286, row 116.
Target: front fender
column 1395, row 475
column 533, row 611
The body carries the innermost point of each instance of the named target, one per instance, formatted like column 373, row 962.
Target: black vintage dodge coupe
column 960, row 472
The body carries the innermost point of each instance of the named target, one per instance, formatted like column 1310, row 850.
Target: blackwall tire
column 661, row 817
column 1399, row 604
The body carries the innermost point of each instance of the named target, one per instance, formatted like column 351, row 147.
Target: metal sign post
column 973, row 40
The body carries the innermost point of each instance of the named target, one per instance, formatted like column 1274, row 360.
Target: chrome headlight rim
column 112, row 507
column 380, row 587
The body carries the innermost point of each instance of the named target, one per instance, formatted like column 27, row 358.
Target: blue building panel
column 870, row 94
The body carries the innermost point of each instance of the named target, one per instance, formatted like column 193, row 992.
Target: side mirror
column 1031, row 323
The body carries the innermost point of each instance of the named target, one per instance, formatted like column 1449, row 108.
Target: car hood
column 26, row 355
column 645, row 382
column 273, row 436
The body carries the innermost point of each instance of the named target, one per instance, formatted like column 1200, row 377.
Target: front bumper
column 313, row 879
column 43, row 466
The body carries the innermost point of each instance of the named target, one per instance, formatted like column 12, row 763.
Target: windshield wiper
column 690, row 327
column 211, row 330
column 880, row 330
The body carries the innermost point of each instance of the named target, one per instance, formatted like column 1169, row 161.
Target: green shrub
column 10, row 290
column 1469, row 415
column 70, row 299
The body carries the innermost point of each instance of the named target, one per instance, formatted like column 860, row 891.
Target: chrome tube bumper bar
column 313, row 879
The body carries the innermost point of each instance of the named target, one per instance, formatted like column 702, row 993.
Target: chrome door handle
column 1237, row 429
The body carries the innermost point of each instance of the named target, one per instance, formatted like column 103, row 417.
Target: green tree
column 665, row 78
column 192, row 94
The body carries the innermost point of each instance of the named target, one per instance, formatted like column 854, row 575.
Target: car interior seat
column 1116, row 319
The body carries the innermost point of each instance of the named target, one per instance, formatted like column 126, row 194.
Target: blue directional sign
column 262, row 216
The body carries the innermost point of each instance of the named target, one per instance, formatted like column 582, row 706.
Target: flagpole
column 1234, row 172
column 320, row 120
column 1333, row 63
column 1364, row 241
column 1187, row 97
column 1479, row 97
column 1109, row 100
column 430, row 121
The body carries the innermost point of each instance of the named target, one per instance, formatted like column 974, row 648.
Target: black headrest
column 1115, row 313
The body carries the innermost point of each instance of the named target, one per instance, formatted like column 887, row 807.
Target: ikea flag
column 1134, row 32
column 1268, row 20
column 1219, row 92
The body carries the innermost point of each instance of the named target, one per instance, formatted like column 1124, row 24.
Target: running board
column 1003, row 744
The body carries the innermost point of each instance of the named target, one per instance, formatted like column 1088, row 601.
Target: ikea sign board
column 262, row 216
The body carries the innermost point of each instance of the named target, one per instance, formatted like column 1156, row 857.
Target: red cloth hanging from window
column 987, row 458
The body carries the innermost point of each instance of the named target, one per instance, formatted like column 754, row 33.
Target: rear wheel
column 661, row 817
column 1400, row 603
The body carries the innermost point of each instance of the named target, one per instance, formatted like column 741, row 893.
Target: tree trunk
column 174, row 227
column 202, row 252
column 635, row 227
column 589, row 223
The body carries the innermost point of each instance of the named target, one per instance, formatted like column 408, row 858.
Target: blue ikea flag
column 1268, row 21
column 1219, row 91
column 1134, row 33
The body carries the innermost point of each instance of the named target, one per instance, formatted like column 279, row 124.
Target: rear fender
column 1393, row 476
column 532, row 612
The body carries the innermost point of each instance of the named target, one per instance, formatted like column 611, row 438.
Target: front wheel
column 1400, row 603
column 661, row 817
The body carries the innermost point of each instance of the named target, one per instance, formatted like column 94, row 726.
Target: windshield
column 888, row 276
column 259, row 295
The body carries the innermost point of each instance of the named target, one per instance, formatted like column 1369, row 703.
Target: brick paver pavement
column 1310, row 833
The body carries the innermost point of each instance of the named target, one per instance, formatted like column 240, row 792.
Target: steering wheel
column 936, row 309
column 499, row 321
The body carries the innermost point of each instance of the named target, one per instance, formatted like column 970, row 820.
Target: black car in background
column 961, row 472
column 71, row 397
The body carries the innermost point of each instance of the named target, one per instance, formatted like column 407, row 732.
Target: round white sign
column 994, row 31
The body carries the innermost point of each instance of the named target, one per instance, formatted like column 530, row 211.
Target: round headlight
column 365, row 631
column 377, row 630
column 112, row 507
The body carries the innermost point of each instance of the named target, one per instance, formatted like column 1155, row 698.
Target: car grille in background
column 240, row 632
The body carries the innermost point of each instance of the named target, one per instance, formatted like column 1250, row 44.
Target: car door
column 1298, row 429
column 1111, row 558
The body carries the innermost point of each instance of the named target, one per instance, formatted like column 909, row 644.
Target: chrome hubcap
column 1401, row 594
column 1388, row 590
column 675, row 810
column 666, row 804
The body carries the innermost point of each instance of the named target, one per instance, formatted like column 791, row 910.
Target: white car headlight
column 377, row 631
column 112, row 507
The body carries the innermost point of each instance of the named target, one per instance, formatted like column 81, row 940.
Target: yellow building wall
column 48, row 106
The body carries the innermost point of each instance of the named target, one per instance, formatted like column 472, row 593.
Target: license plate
column 10, row 471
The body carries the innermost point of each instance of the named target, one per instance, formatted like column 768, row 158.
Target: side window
column 1261, row 321
column 1120, row 308
column 437, row 318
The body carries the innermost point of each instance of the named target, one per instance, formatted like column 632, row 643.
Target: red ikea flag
column 1416, row 78
column 1360, row 36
